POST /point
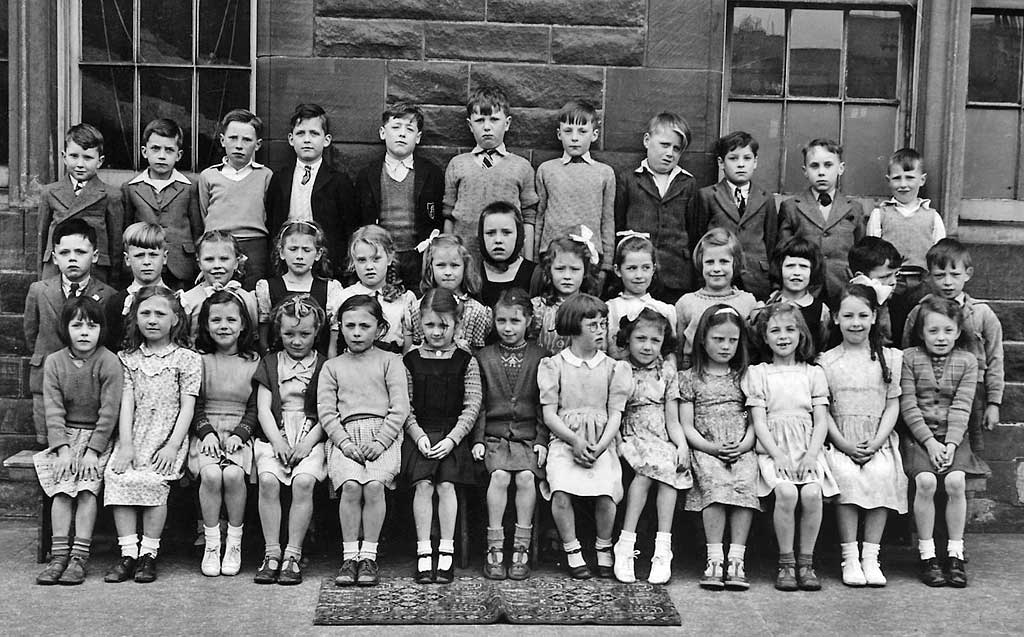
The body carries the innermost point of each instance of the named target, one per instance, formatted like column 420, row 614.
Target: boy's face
column 308, row 139
column 576, row 138
column 400, row 136
column 822, row 168
column 884, row 274
column 738, row 165
column 162, row 154
column 146, row 263
column 950, row 279
column 489, row 130
column 905, row 184
column 82, row 163
column 240, row 143
column 664, row 148
column 74, row 255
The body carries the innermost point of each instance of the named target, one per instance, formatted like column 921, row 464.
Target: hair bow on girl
column 629, row 234
column 585, row 237
column 882, row 291
column 634, row 312
column 423, row 245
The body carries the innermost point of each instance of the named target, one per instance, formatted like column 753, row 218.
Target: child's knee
column 500, row 479
column 561, row 500
column 373, row 491
column 524, row 480
column 351, row 490
column 925, row 484
column 445, row 489
column 424, row 488
column 210, row 476
column 302, row 486
column 233, row 476
column 955, row 484
column 269, row 484
column 810, row 495
column 786, row 494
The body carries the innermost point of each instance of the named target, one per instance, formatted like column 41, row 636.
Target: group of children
column 741, row 352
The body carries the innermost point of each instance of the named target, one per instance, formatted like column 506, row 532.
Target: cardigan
column 86, row 397
column 512, row 413
column 266, row 376
column 371, row 383
column 428, row 194
column 98, row 204
column 934, row 407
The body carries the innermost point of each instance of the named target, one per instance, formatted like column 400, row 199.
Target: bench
column 20, row 468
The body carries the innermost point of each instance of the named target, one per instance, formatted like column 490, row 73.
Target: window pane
column 107, row 104
column 219, row 92
column 869, row 134
column 872, row 55
column 4, row 117
column 805, row 122
column 165, row 31
column 994, row 70
column 758, row 51
column 3, row 33
column 815, row 41
column 764, row 121
column 107, row 30
column 990, row 156
column 167, row 93
column 224, row 32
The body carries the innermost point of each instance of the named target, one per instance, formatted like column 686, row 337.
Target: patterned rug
column 475, row 600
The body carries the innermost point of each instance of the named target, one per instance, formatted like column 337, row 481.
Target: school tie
column 73, row 290
column 78, row 187
column 307, row 175
column 487, row 158
column 824, row 200
column 741, row 203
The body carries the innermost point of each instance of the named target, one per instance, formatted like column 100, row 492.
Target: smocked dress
column 719, row 415
column 789, row 393
column 226, row 389
column 157, row 381
column 584, row 392
column 858, row 399
column 542, row 328
column 645, row 443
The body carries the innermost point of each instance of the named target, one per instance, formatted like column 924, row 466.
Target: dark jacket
column 176, row 210
column 801, row 216
column 428, row 186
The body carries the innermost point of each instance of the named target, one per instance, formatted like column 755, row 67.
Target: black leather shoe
column 291, row 573
column 122, row 571
column 348, row 574
column 369, row 573
column 931, row 573
column 424, row 577
column 268, row 571
column 605, row 571
column 957, row 577
column 446, row 576
column 51, row 574
column 578, row 572
column 145, row 572
column 74, row 574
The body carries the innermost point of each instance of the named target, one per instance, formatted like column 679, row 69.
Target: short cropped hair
column 674, row 123
column 243, row 116
column 308, row 111
column 74, row 226
column 142, row 234
column 907, row 159
column 89, row 309
column 736, row 139
column 872, row 252
column 86, row 136
column 577, row 307
column 486, row 100
column 164, row 127
column 402, row 110
column 830, row 145
column 578, row 112
column 948, row 252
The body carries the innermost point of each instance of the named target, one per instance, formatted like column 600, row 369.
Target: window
column 795, row 74
column 995, row 107
column 136, row 60
column 5, row 118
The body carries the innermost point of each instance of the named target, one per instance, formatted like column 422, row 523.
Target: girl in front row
column 162, row 378
column 220, row 453
column 567, row 268
column 938, row 382
column 788, row 401
column 582, row 393
column 82, row 386
column 652, row 441
column 363, row 401
column 289, row 450
column 714, row 419
column 445, row 393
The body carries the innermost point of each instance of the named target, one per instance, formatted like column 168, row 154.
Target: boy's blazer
column 332, row 202
column 428, row 188
column 176, row 210
column 98, row 204
column 801, row 216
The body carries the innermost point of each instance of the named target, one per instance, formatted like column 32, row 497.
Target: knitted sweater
column 931, row 406
column 371, row 383
column 510, row 412
column 573, row 194
column 235, row 206
column 86, row 397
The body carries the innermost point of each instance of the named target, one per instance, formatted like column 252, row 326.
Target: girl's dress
column 394, row 313
column 292, row 384
column 326, row 292
column 82, row 399
column 446, row 395
column 192, row 302
column 363, row 398
column 491, row 290
column 226, row 405
column 789, row 393
column 858, row 399
column 584, row 392
column 542, row 328
column 623, row 305
column 936, row 402
column 719, row 415
column 471, row 331
column 157, row 380
column 645, row 444
column 690, row 307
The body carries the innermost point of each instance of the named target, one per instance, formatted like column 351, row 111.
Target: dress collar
column 576, row 361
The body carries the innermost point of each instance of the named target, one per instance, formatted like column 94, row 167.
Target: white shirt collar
column 394, row 162
column 135, row 286
column 500, row 148
column 299, row 164
column 252, row 165
column 744, row 189
column 585, row 157
column 65, row 284
column 916, row 205
column 301, row 364
column 159, row 184
column 75, row 181
column 644, row 166
column 576, row 361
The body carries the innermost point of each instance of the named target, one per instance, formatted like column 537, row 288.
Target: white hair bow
column 629, row 234
column 634, row 312
column 423, row 245
column 585, row 237
column 882, row 291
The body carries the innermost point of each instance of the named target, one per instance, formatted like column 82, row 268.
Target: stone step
column 1011, row 317
column 994, row 265
column 18, row 240
column 14, row 286
column 1013, row 404
column 12, row 335
column 1013, row 360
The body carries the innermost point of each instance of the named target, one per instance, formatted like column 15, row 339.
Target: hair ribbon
column 423, row 245
column 585, row 237
column 634, row 312
column 631, row 234
column 882, row 291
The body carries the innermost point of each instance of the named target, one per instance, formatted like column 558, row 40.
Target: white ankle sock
column 234, row 535
column 368, row 550
column 604, row 558
column 663, row 543
column 349, row 550
column 737, row 551
column 151, row 545
column 955, row 548
column 425, row 558
column 445, row 548
column 849, row 550
column 926, row 548
column 716, row 552
column 869, row 551
column 574, row 558
column 129, row 545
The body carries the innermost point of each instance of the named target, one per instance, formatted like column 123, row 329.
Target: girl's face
column 636, row 271
column 716, row 266
column 500, row 236
column 567, row 271
column 218, row 261
column 796, row 274
column 645, row 342
column 156, row 320
column 438, row 329
column 782, row 335
column 593, row 333
column 721, row 342
column 448, row 267
column 299, row 253
column 855, row 319
column 510, row 324
column 939, row 333
column 371, row 264
column 84, row 335
column 225, row 325
column 360, row 329
column 298, row 335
